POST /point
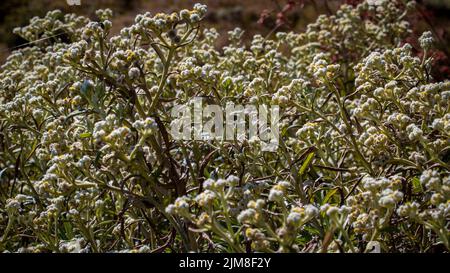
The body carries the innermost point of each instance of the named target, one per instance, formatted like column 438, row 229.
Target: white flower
column 426, row 40
column 133, row 73
column 247, row 215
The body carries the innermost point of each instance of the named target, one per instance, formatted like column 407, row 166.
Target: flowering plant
column 87, row 163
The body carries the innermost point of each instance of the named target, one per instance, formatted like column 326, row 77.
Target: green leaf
column 76, row 113
column 417, row 186
column 33, row 149
column 306, row 163
column 85, row 135
column 68, row 230
column 329, row 195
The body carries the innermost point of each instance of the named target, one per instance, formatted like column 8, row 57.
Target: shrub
column 87, row 163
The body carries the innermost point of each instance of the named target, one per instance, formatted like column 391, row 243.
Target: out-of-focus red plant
column 281, row 12
column 279, row 17
column 440, row 54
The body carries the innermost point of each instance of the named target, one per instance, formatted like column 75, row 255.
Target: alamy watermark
column 73, row 2
column 198, row 121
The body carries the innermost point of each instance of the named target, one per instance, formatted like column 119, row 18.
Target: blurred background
column 254, row 16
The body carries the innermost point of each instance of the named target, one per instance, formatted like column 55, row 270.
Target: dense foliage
column 87, row 163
